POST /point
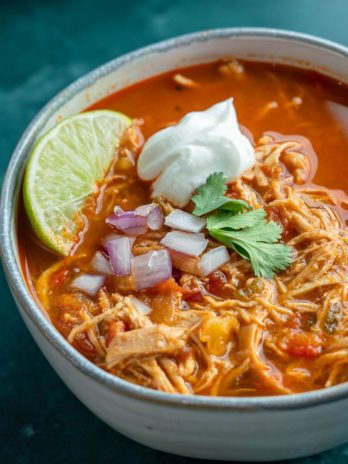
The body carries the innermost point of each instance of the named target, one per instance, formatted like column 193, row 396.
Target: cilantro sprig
column 210, row 197
column 242, row 229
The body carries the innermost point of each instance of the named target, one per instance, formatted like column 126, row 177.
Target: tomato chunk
column 216, row 282
column 303, row 345
column 195, row 295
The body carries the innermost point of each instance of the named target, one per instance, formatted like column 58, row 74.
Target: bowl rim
column 32, row 310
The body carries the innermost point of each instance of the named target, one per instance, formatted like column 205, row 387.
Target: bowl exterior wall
column 185, row 428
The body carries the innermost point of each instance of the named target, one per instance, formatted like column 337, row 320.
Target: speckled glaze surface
column 244, row 429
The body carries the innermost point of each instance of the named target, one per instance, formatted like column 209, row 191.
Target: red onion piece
column 184, row 262
column 140, row 306
column 101, row 264
column 151, row 269
column 88, row 283
column 185, row 242
column 153, row 214
column 110, row 237
column 129, row 222
column 181, row 220
column 213, row 259
column 118, row 210
column 119, row 251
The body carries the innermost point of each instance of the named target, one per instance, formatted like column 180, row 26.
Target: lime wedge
column 63, row 169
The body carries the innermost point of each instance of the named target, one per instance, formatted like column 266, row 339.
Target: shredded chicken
column 148, row 341
column 231, row 67
column 183, row 81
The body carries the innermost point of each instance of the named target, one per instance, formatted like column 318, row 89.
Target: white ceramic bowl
column 257, row 429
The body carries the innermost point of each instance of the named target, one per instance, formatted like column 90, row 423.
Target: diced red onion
column 110, row 237
column 213, row 259
column 88, row 283
column 118, row 210
column 178, row 219
column 184, row 262
column 185, row 242
column 101, row 264
column 140, row 306
column 129, row 222
column 153, row 214
column 151, row 269
column 120, row 254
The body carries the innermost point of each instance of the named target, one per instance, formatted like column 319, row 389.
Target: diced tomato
column 195, row 295
column 216, row 282
column 303, row 345
column 302, row 351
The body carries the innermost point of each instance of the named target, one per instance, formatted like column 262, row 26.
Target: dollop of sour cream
column 181, row 157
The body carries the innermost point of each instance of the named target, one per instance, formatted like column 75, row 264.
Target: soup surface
column 229, row 333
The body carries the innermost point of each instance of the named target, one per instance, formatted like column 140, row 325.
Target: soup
column 233, row 330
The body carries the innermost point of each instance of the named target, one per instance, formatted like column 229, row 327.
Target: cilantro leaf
column 268, row 232
column 257, row 246
column 210, row 197
column 237, row 206
column 224, row 219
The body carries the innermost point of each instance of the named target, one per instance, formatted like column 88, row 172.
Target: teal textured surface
column 44, row 45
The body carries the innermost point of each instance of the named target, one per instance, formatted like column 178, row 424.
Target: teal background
column 44, row 45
